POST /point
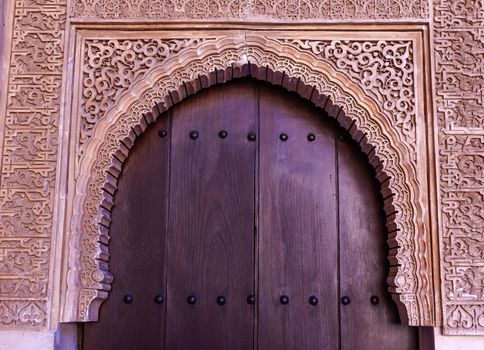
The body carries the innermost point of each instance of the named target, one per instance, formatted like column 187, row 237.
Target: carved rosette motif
column 216, row 61
column 459, row 84
column 282, row 10
column 29, row 157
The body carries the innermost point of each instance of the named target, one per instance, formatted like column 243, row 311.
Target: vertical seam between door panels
column 336, row 153
column 256, row 290
column 81, row 331
column 167, row 224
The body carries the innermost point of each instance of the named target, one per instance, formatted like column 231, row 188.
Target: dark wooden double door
column 245, row 219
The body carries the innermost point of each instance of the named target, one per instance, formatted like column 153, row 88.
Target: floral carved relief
column 29, row 161
column 459, row 83
column 23, row 313
column 208, row 62
column 384, row 69
column 111, row 66
column 282, row 10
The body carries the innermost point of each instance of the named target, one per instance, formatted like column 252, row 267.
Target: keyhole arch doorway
column 247, row 191
column 90, row 201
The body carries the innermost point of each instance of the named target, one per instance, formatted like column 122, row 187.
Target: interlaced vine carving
column 383, row 68
column 111, row 66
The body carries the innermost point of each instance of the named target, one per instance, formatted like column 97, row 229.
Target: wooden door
column 246, row 219
column 298, row 233
column 133, row 315
column 210, row 251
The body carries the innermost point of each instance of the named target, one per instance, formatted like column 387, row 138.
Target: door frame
column 198, row 60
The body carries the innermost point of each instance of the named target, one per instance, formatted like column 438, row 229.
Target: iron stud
column 221, row 300
column 193, row 135
column 128, row 299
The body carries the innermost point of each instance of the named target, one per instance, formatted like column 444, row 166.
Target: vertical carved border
column 30, row 118
column 458, row 34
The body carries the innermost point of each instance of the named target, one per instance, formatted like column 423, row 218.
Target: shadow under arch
column 211, row 63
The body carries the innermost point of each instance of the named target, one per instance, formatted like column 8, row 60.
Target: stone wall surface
column 30, row 115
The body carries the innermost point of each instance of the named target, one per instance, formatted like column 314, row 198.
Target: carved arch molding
column 369, row 85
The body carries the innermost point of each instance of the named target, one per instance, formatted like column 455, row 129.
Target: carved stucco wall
column 31, row 114
column 384, row 68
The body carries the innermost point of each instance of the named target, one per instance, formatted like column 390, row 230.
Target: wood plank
column 137, row 246
column 363, row 263
column 298, row 231
column 211, row 236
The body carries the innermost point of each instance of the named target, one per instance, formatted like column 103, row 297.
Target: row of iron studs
column 223, row 134
column 284, row 300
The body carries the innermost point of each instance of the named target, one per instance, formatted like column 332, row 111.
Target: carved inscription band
column 29, row 160
column 459, row 85
column 262, row 10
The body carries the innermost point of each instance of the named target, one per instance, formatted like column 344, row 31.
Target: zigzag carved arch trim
column 213, row 63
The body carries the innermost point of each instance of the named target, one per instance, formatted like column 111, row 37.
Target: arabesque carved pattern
column 282, row 10
column 23, row 313
column 29, row 156
column 111, row 66
column 385, row 69
column 459, row 72
column 214, row 62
